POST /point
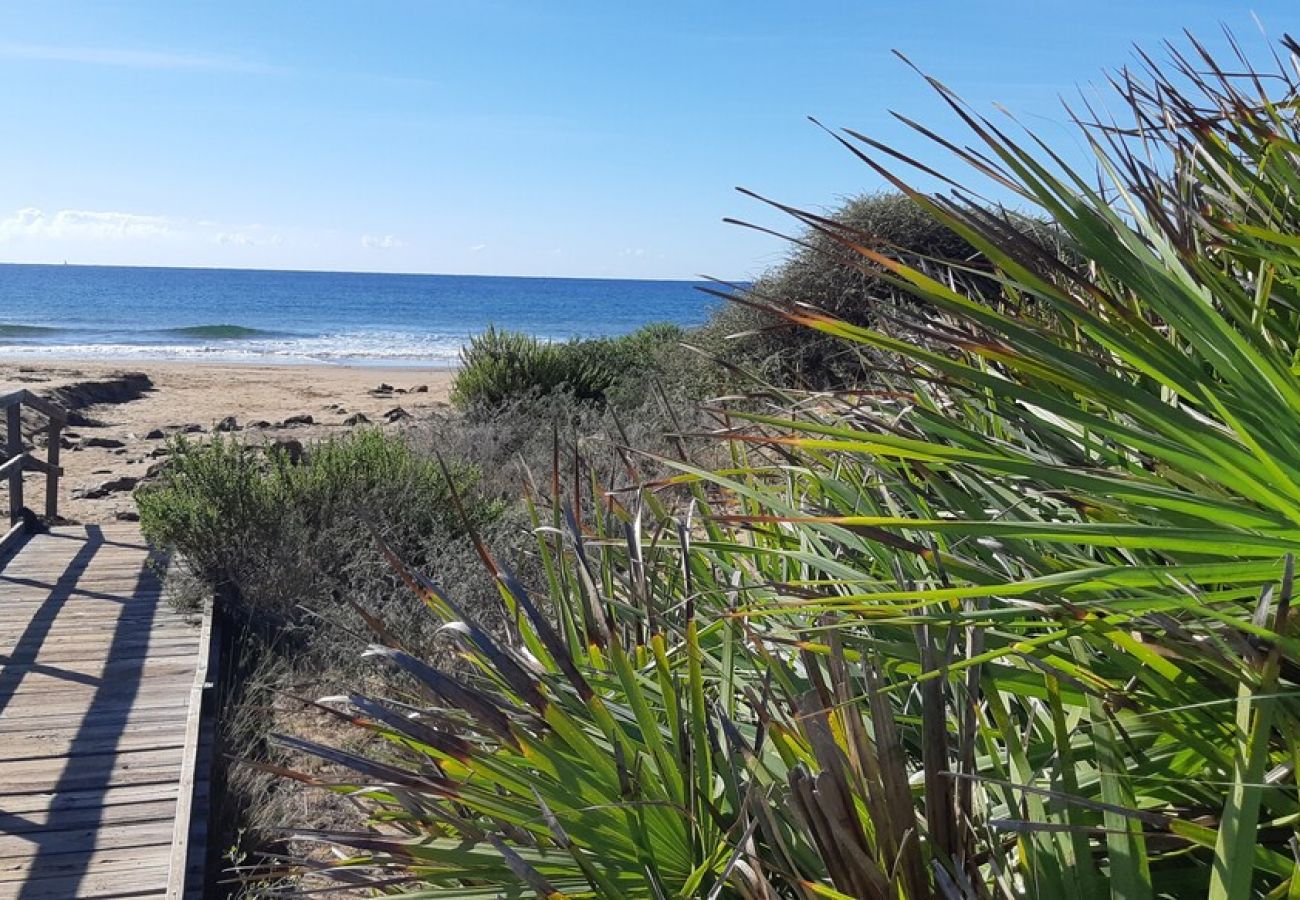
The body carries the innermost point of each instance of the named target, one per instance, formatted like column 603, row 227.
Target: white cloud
column 478, row 248
column 381, row 242
column 247, row 238
column 135, row 59
column 82, row 224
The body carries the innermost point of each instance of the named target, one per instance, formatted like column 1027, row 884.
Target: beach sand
column 102, row 458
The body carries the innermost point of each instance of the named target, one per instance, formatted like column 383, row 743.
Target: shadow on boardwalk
column 96, row 677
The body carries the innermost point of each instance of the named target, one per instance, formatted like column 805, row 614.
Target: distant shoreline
column 147, row 362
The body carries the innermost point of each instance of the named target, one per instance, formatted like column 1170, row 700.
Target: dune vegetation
column 999, row 608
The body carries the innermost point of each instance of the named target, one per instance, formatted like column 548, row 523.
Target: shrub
column 825, row 275
column 290, row 546
column 280, row 537
column 502, row 368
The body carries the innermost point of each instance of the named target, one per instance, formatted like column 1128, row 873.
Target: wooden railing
column 15, row 460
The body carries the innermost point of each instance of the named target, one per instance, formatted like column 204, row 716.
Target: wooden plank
column 41, row 781
column 89, row 839
column 105, row 562
column 76, row 611
column 48, row 408
column 51, row 804
column 27, row 776
column 138, row 716
column 12, row 539
column 59, row 631
column 74, row 707
column 36, row 464
column 114, row 675
column 14, row 467
column 120, row 861
column 77, row 662
column 45, row 822
column 20, row 743
column 171, row 674
column 136, row 881
column 53, row 437
column 77, row 582
column 75, row 651
column 55, row 614
column 176, row 881
column 14, row 463
column 18, row 711
column 87, row 741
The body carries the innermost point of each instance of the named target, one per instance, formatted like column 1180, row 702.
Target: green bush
column 290, row 544
column 501, row 368
column 823, row 274
column 281, row 535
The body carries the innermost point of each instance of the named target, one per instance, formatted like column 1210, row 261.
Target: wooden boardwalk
column 101, row 684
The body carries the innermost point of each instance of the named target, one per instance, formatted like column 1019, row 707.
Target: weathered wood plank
column 116, row 676
column 50, row 804
column 83, row 817
column 79, row 658
column 18, row 710
column 131, row 718
column 138, row 883
column 104, row 770
column 80, row 841
column 10, row 539
column 177, row 879
column 48, row 408
column 37, row 746
column 123, row 864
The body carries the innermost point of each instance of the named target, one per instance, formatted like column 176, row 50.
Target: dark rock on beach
column 290, row 448
column 112, row 486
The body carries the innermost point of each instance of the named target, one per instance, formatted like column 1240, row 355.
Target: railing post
column 53, row 436
column 14, row 442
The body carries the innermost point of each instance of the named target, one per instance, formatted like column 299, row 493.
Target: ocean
column 250, row 316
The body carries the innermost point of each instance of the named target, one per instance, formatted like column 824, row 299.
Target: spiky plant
column 1015, row 624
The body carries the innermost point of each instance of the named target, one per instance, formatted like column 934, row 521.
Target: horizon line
column 698, row 279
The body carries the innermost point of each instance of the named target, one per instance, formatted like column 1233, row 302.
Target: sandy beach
column 113, row 444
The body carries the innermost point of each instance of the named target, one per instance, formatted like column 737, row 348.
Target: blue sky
column 562, row 138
